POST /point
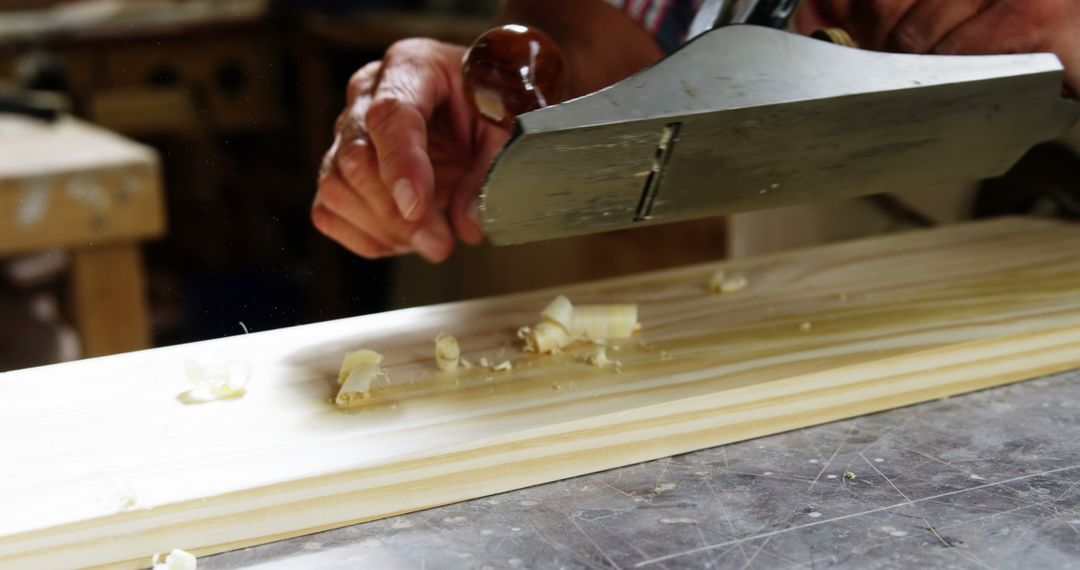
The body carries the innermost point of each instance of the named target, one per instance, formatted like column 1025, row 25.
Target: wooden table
column 73, row 186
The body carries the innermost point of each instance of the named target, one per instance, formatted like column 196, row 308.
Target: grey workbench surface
column 986, row 480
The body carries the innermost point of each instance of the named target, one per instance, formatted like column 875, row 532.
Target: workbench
column 985, row 480
column 75, row 187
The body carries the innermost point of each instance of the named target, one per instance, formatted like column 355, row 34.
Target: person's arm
column 955, row 27
column 410, row 152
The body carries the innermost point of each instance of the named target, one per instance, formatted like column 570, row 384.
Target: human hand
column 955, row 27
column 408, row 158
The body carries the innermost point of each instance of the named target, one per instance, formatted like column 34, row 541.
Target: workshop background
column 238, row 98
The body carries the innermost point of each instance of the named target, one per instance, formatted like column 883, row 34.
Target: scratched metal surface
column 987, row 480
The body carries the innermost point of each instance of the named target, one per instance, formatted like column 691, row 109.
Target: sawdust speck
column 664, row 487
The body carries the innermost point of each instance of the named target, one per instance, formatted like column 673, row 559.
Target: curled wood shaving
column 359, row 369
column 723, row 284
column 562, row 323
column 175, row 560
column 447, row 353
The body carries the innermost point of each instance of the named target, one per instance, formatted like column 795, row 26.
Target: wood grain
column 106, row 284
column 894, row 321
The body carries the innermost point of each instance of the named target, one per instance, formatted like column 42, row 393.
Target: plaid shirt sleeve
column 667, row 20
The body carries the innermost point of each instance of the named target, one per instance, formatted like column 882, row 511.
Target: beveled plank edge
column 605, row 442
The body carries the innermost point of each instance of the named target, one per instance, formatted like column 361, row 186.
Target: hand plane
column 745, row 116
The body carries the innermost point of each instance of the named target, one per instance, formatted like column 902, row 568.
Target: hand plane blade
column 746, row 117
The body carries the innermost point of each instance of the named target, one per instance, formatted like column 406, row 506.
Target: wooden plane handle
column 513, row 69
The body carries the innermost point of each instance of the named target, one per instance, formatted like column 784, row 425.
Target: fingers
column 930, row 21
column 377, row 192
column 358, row 168
column 330, row 158
column 340, row 230
column 363, row 81
column 367, row 223
column 409, row 89
column 960, row 27
column 464, row 208
column 355, row 208
column 1011, row 27
column 368, row 209
column 433, row 241
column 871, row 22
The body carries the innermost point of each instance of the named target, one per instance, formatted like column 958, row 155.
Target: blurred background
column 238, row 98
column 175, row 208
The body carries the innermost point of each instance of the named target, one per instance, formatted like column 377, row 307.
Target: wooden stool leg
column 108, row 293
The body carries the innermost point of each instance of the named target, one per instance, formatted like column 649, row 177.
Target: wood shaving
column 175, row 560
column 216, row 381
column 604, row 322
column 359, row 370
column 447, row 353
column 559, row 311
column 547, row 337
column 562, row 323
column 722, row 283
column 119, row 496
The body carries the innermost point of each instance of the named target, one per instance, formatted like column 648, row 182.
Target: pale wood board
column 894, row 320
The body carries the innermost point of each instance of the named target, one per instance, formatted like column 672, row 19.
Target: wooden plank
column 108, row 466
column 108, row 291
column 74, row 184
